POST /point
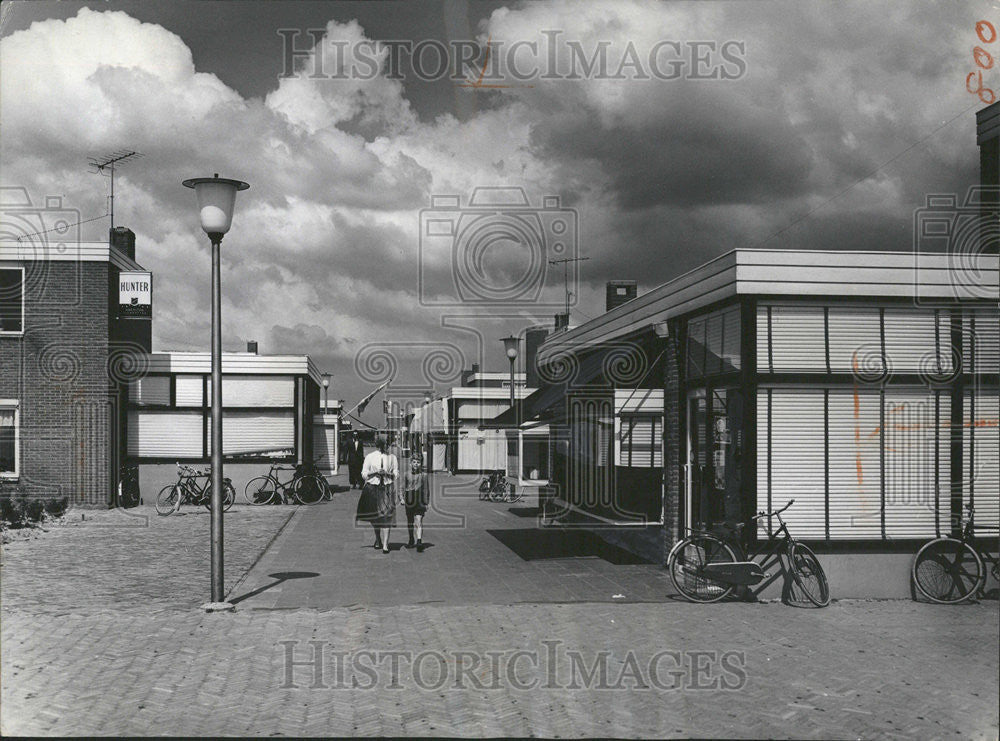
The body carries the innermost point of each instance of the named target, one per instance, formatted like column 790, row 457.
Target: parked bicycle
column 312, row 468
column 192, row 487
column 128, row 486
column 948, row 570
column 496, row 488
column 708, row 566
column 304, row 488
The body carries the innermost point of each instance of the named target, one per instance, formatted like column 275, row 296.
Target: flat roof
column 934, row 278
column 235, row 363
column 68, row 251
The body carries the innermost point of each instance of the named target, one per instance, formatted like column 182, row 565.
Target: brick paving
column 88, row 657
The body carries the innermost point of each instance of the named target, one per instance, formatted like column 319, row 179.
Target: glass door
column 715, row 449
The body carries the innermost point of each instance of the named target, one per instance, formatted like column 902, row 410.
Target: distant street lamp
column 510, row 346
column 216, row 201
column 326, row 393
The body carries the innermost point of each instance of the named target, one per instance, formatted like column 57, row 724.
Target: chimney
column 533, row 338
column 988, row 139
column 620, row 291
column 252, row 346
column 123, row 240
column 562, row 321
column 468, row 374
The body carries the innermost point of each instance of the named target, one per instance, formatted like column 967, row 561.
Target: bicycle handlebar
column 761, row 515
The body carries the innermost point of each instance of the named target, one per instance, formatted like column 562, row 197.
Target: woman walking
column 416, row 499
column 378, row 497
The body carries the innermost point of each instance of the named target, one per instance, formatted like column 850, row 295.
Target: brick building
column 67, row 354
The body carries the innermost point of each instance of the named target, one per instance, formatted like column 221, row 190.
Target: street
column 497, row 629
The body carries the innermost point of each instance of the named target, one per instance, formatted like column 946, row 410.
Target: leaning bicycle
column 304, row 488
column 949, row 570
column 192, row 487
column 709, row 566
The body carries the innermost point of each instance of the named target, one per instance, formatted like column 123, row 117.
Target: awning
column 549, row 398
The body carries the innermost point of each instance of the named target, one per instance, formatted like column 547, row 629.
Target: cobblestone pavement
column 131, row 557
column 84, row 655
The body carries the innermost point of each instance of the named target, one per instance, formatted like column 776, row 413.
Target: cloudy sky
column 801, row 125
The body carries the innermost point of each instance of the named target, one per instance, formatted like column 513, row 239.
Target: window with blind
column 150, row 390
column 860, row 464
column 8, row 439
column 870, row 341
column 980, row 452
column 256, row 433
column 639, row 441
column 256, row 391
column 981, row 341
column 11, row 300
column 153, row 434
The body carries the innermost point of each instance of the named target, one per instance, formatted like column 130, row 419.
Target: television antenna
column 107, row 164
column 565, row 263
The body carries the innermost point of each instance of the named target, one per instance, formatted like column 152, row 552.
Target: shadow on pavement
column 279, row 577
column 532, row 544
column 525, row 511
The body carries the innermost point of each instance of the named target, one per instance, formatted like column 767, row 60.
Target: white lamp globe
column 216, row 201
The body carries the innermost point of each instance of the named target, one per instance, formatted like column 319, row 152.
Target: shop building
column 74, row 328
column 863, row 385
column 271, row 414
column 450, row 429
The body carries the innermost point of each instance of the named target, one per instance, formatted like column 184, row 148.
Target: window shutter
column 189, row 391
column 980, row 446
column 256, row 432
column 164, row 434
column 855, row 331
column 855, row 466
column 981, row 341
column 917, row 464
column 797, row 339
column 150, row 390
column 797, row 460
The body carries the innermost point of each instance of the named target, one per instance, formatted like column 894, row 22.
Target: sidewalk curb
column 263, row 551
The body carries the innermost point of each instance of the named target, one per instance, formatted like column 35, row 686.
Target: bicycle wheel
column 168, row 500
column 260, row 490
column 228, row 495
column 809, row 575
column 307, row 490
column 687, row 561
column 947, row 571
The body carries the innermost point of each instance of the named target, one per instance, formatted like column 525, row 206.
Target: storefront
column 863, row 385
column 271, row 412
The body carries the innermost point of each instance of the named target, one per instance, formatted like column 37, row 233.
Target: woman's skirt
column 386, row 507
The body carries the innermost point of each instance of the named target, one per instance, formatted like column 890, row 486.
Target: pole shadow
column 279, row 577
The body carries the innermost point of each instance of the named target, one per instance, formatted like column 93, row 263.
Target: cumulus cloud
column 325, row 253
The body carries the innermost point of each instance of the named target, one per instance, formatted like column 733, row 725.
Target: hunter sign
column 135, row 294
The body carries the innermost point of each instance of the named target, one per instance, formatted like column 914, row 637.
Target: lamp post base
column 218, row 607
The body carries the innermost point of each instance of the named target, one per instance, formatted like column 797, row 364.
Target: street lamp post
column 510, row 345
column 326, row 393
column 216, row 201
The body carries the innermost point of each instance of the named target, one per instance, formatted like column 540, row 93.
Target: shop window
column 713, row 343
column 639, row 442
column 11, row 300
column 8, row 439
